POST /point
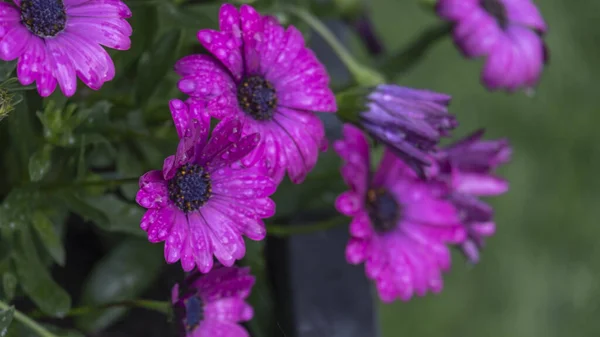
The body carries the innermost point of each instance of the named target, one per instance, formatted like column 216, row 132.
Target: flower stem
column 31, row 324
column 362, row 74
column 159, row 306
column 287, row 230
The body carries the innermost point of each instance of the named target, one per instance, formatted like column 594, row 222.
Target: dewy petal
column 183, row 113
column 497, row 65
column 14, row 43
column 62, row 67
column 270, row 47
column 160, row 223
column 348, row 203
column 301, row 149
column 252, row 34
column 243, row 185
column 225, row 133
column 306, row 86
column 110, row 33
column 477, row 33
column 531, row 56
column 31, row 64
column 252, row 227
column 291, row 46
column 203, row 77
column 99, row 8
column 228, row 309
column 235, row 151
column 89, row 60
column 354, row 150
column 194, row 240
column 227, row 244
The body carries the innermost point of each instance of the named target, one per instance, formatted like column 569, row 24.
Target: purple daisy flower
column 408, row 121
column 59, row 40
column 264, row 75
column 399, row 226
column 466, row 170
column 203, row 200
column 507, row 32
column 213, row 304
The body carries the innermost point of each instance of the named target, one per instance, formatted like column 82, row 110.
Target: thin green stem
column 31, row 324
column 159, row 306
column 287, row 230
column 361, row 73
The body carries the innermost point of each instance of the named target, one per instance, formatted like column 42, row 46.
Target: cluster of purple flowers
column 263, row 85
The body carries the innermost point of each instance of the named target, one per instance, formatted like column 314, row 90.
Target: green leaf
column 36, row 281
column 263, row 324
column 129, row 164
column 190, row 16
column 40, row 162
column 124, row 274
column 123, row 217
column 6, row 68
column 144, row 26
column 82, row 208
column 9, row 285
column 154, row 64
column 22, row 134
column 50, row 239
column 6, row 317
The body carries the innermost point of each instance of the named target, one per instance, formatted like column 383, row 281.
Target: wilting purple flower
column 408, row 121
column 213, row 305
column 399, row 226
column 507, row 32
column 59, row 40
column 203, row 200
column 264, row 75
column 466, row 169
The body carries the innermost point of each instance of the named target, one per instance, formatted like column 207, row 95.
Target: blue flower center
column 496, row 9
column 190, row 188
column 44, row 18
column 383, row 210
column 257, row 97
column 194, row 313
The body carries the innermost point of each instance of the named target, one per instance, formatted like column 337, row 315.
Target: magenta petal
column 306, row 86
column 270, row 47
column 32, row 62
column 99, row 8
column 252, row 28
column 348, row 203
column 225, row 47
column 291, row 46
column 243, row 185
column 63, row 68
column 158, row 223
column 455, row 9
column 356, row 251
column 227, row 244
column 235, row 151
column 226, row 132
column 497, row 64
column 480, row 184
column 89, row 60
column 249, row 225
column 110, row 33
column 13, row 44
column 360, row 226
column 228, row 309
column 524, row 13
column 215, row 328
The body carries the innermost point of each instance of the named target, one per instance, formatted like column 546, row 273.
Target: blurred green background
column 539, row 273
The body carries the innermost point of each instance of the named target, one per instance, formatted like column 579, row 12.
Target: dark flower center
column 190, row 188
column 257, row 98
column 496, row 9
column 44, row 18
column 194, row 313
column 383, row 210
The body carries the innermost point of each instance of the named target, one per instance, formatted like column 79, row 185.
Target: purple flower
column 213, row 304
column 408, row 121
column 507, row 32
column 466, row 170
column 400, row 227
column 264, row 75
column 59, row 40
column 203, row 200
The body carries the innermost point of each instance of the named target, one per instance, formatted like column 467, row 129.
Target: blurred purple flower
column 203, row 200
column 408, row 121
column 399, row 226
column 263, row 74
column 507, row 32
column 466, row 169
column 57, row 41
column 213, row 305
